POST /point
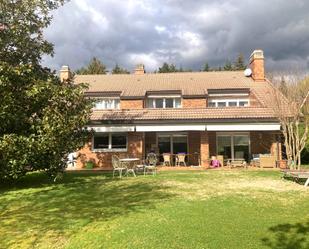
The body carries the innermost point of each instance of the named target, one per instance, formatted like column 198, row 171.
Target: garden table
column 131, row 162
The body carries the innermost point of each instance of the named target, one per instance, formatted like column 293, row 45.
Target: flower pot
column 283, row 164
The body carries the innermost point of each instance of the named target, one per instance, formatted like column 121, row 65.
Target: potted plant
column 283, row 164
column 89, row 164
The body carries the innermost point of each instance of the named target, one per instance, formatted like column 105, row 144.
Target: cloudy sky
column 186, row 33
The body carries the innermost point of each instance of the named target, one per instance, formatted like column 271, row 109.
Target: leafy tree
column 239, row 64
column 118, row 70
column 95, row 66
column 41, row 118
column 21, row 30
column 228, row 66
column 292, row 111
column 167, row 68
column 173, row 68
column 206, row 67
column 283, row 86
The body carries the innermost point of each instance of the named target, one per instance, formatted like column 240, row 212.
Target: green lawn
column 201, row 209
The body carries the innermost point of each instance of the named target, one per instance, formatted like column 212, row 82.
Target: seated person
column 215, row 163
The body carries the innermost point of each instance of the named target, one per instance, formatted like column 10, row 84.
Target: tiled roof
column 189, row 84
column 183, row 114
column 193, row 83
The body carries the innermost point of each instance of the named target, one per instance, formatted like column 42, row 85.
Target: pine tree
column 118, row 70
column 206, row 67
column 165, row 68
column 228, row 66
column 239, row 64
column 95, row 66
column 171, row 68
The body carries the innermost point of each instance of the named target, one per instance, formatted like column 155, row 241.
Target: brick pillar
column 280, row 151
column 136, row 144
column 194, row 144
column 204, row 149
column 276, row 147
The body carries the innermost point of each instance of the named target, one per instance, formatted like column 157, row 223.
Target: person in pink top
column 215, row 163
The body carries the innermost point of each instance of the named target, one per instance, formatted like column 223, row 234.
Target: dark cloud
column 186, row 33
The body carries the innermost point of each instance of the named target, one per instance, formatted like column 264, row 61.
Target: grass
column 212, row 209
column 306, row 166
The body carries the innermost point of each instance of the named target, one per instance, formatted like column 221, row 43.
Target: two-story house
column 202, row 114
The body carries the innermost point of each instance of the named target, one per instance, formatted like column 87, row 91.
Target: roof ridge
column 163, row 74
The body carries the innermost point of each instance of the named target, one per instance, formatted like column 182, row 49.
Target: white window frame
column 102, row 101
column 226, row 101
column 109, row 149
column 154, row 98
column 232, row 134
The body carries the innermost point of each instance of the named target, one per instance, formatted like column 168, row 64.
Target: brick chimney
column 65, row 73
column 139, row 69
column 257, row 65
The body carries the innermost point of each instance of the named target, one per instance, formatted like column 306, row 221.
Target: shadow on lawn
column 79, row 200
column 288, row 236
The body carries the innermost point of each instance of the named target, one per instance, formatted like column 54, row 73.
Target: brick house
column 202, row 114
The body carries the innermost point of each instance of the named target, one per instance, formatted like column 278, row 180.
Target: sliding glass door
column 233, row 145
column 164, row 144
column 180, row 143
column 224, row 146
column 173, row 143
column 241, row 146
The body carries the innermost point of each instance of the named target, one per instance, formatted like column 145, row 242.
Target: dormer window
column 221, row 98
column 160, row 101
column 107, row 103
column 219, row 102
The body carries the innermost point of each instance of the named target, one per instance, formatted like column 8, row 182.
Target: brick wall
column 260, row 142
column 194, row 142
column 104, row 159
column 202, row 142
column 131, row 104
column 258, row 71
column 204, row 149
column 194, row 103
column 265, row 142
